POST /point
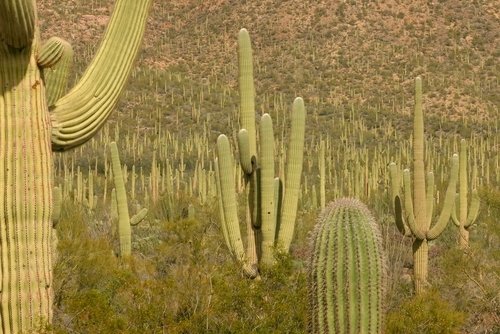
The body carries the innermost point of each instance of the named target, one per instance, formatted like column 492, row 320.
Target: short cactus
column 346, row 271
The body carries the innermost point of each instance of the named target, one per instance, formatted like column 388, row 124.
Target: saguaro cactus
column 27, row 130
column 271, row 207
column 124, row 220
column 346, row 271
column 417, row 219
column 466, row 216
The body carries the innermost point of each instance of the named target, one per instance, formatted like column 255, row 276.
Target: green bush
column 427, row 313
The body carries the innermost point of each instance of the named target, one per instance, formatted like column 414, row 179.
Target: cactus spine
column 27, row 130
column 124, row 220
column 417, row 220
column 271, row 210
column 346, row 271
column 466, row 216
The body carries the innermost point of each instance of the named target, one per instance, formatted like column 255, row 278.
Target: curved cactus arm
column 449, row 201
column 139, row 217
column 55, row 58
column 221, row 207
column 293, row 174
column 396, row 201
column 430, row 196
column 124, row 230
column 246, row 159
column 267, row 189
column 247, row 90
column 77, row 116
column 17, row 22
column 410, row 217
column 228, row 196
column 473, row 209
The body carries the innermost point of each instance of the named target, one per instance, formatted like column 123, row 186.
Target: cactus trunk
column 26, row 193
column 28, row 134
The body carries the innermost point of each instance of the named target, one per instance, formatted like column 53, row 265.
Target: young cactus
column 124, row 220
column 27, row 130
column 346, row 271
column 271, row 207
column 466, row 216
column 417, row 219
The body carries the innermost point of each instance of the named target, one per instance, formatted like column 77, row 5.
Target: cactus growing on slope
column 271, row 206
column 27, row 130
column 346, row 271
column 417, row 219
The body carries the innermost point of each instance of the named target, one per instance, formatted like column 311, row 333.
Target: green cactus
column 417, row 220
column 467, row 216
column 271, row 211
column 346, row 271
column 124, row 220
column 27, row 130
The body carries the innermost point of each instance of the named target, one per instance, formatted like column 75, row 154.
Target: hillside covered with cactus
column 181, row 247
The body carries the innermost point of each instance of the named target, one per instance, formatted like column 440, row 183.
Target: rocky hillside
column 334, row 53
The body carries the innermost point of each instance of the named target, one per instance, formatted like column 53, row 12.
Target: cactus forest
column 249, row 167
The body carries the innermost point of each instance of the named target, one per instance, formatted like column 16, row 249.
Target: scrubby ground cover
column 354, row 65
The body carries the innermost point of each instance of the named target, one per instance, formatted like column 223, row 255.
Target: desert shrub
column 427, row 313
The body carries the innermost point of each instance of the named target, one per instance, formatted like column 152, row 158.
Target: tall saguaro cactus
column 416, row 221
column 28, row 130
column 271, row 207
column 466, row 215
column 346, row 271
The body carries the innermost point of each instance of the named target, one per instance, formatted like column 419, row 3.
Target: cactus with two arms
column 417, row 217
column 37, row 118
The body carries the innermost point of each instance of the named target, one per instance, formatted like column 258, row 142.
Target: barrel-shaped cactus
column 418, row 214
column 271, row 206
column 346, row 271
column 32, row 79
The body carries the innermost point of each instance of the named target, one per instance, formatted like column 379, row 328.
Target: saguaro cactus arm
column 124, row 230
column 449, row 200
column 17, row 22
column 396, row 201
column 228, row 196
column 77, row 116
column 293, row 174
column 55, row 58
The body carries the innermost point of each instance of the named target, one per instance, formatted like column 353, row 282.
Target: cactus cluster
column 27, row 130
column 417, row 218
column 346, row 271
column 271, row 206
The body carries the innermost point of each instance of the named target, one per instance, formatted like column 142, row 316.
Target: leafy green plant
column 425, row 313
